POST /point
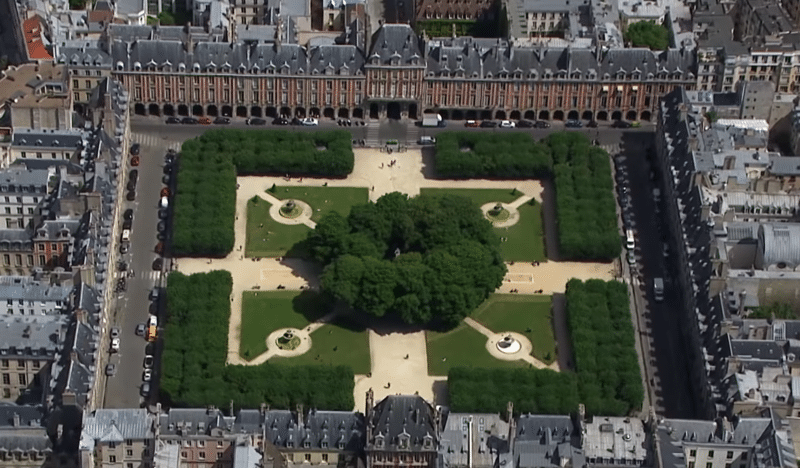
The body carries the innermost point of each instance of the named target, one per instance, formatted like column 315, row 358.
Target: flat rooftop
column 19, row 85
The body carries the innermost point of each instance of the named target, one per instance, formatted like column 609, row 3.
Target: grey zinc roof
column 335, row 60
column 248, row 421
column 479, row 439
column 19, row 176
column 246, row 456
column 26, row 415
column 395, row 41
column 23, row 333
column 785, row 166
column 545, row 5
column 72, row 139
column 398, row 415
column 544, row 440
column 26, row 288
column 83, row 53
column 319, row 429
column 761, row 349
column 14, row 441
column 117, row 425
column 781, row 243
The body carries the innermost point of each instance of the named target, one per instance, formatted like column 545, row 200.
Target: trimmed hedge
column 604, row 346
column 532, row 390
column 193, row 366
column 503, row 155
column 585, row 207
column 607, row 378
column 205, row 200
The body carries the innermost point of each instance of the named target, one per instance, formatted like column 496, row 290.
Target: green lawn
column 342, row 342
column 525, row 239
column 527, row 315
column 267, row 237
column 461, row 347
column 265, row 312
column 325, row 199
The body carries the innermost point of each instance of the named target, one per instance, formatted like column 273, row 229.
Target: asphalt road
column 12, row 41
column 668, row 366
column 132, row 307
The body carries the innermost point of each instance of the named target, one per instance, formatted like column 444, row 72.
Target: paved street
column 666, row 363
column 132, row 307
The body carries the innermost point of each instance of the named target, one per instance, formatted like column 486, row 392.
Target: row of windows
column 202, row 455
column 22, row 379
column 18, row 260
column 21, row 199
column 20, row 364
column 39, row 154
column 544, row 101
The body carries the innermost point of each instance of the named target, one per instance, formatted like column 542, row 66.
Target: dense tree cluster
column 205, row 201
column 478, row 154
column 532, row 390
column 430, row 260
column 585, row 206
column 195, row 349
column 648, row 34
column 599, row 319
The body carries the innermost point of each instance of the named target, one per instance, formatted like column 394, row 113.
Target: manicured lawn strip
column 527, row 315
column 341, row 343
column 479, row 196
column 461, row 347
column 324, row 199
column 194, row 372
column 267, row 237
column 525, row 239
column 265, row 312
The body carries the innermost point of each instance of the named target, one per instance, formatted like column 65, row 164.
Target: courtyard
column 388, row 360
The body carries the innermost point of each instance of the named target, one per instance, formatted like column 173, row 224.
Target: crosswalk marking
column 372, row 133
column 154, row 141
column 147, row 275
column 611, row 149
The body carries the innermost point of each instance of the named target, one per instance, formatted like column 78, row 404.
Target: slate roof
column 84, row 53
column 785, row 166
column 193, row 421
column 30, row 416
column 29, row 137
column 477, row 439
column 780, row 243
column 492, row 58
column 399, row 416
column 761, row 349
column 116, row 425
column 246, row 456
column 21, row 336
column 29, row 289
column 343, row 430
column 395, row 41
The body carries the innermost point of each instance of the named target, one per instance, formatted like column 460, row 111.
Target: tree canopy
column 429, row 260
column 648, row 34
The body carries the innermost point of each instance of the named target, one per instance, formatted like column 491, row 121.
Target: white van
column 658, row 289
column 126, row 235
column 629, row 241
column 164, row 202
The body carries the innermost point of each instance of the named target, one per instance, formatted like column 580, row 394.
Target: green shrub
column 504, row 155
column 193, row 366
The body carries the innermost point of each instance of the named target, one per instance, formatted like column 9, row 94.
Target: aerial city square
column 400, row 233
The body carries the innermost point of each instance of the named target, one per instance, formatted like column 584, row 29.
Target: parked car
column 165, row 191
column 665, row 249
column 145, row 390
column 488, row 124
column 471, row 123
column 111, row 369
column 427, row 140
column 115, row 345
column 131, row 186
column 162, row 214
column 525, row 124
column 127, row 224
column 189, row 121
column 114, row 332
column 542, row 124
column 159, row 249
column 164, row 202
column 140, row 329
column 310, row 122
column 148, row 361
column 507, row 124
column 296, row 121
column 621, row 124
column 173, row 120
column 131, row 195
column 630, row 257
column 276, row 121
column 147, row 375
column 133, row 175
column 222, row 120
column 204, row 120
column 572, row 123
column 128, row 215
column 592, row 124
column 158, row 264
column 124, row 247
column 135, row 161
column 162, row 226
column 135, row 149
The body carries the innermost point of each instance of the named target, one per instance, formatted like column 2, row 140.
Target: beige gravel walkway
column 388, row 351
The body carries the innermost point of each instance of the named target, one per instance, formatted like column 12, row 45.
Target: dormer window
column 137, row 66
column 307, row 444
column 379, row 441
column 402, row 441
column 324, row 444
column 340, row 445
column 428, row 442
